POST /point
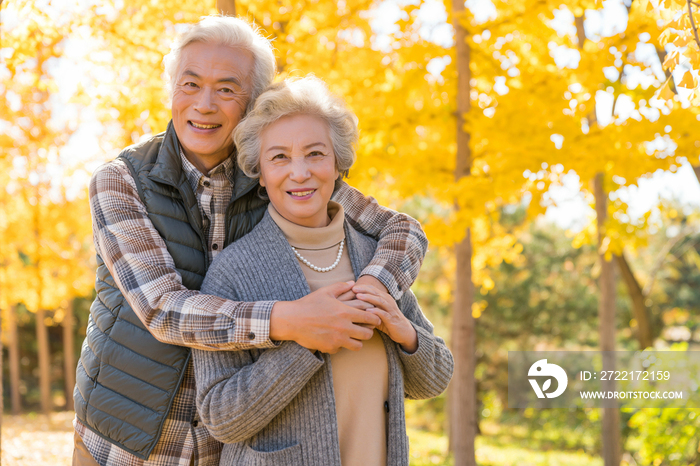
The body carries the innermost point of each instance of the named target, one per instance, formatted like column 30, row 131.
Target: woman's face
column 297, row 168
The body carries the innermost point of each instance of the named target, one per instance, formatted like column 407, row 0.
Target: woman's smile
column 302, row 194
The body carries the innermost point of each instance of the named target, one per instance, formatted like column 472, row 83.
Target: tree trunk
column 69, row 355
column 226, row 7
column 611, row 415
column 641, row 311
column 13, row 359
column 463, row 418
column 2, row 395
column 696, row 169
column 42, row 338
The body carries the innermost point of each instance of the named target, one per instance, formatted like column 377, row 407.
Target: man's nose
column 205, row 102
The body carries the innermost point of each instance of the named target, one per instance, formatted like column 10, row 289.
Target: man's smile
column 203, row 126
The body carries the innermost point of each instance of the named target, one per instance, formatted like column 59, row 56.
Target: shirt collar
column 194, row 176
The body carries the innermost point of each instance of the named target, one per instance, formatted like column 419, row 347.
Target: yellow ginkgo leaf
column 671, row 60
column 688, row 81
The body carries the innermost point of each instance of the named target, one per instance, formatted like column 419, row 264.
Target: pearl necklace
column 321, row 269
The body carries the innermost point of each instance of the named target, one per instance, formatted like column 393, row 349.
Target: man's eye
column 189, row 84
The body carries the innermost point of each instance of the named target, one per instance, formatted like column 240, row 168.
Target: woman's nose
column 299, row 169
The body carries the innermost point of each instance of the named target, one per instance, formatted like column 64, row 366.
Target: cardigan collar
column 268, row 235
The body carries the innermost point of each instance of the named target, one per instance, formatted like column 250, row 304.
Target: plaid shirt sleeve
column 145, row 273
column 402, row 242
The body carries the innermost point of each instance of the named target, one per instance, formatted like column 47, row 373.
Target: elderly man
column 161, row 212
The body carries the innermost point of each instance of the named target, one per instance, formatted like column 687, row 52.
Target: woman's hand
column 394, row 323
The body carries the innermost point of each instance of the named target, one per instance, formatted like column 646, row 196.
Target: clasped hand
column 393, row 322
column 342, row 315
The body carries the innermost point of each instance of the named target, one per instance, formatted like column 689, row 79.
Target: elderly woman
column 289, row 405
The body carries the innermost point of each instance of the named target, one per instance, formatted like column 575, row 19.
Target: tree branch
column 619, row 79
column 580, row 31
column 641, row 310
column 692, row 23
column 661, row 53
column 661, row 258
column 226, row 7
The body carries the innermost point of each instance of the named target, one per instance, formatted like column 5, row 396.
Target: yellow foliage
column 681, row 20
column 532, row 120
column 45, row 238
column 688, row 80
column 478, row 308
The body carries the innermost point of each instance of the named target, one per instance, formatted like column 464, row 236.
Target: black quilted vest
column 126, row 379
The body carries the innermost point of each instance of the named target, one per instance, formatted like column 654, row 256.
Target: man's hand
column 370, row 281
column 319, row 321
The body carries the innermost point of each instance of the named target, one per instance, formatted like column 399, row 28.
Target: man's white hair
column 231, row 32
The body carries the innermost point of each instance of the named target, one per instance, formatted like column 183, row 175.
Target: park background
column 549, row 147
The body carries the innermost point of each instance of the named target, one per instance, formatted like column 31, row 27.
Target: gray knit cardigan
column 276, row 406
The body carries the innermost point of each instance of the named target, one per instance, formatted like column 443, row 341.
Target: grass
column 31, row 439
column 500, row 445
column 430, row 449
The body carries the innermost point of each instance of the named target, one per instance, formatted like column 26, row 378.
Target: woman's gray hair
column 304, row 96
column 231, row 32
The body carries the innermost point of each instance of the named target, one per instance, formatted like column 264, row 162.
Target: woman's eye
column 279, row 157
column 316, row 153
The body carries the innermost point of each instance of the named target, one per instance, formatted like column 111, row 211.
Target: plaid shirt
column 135, row 254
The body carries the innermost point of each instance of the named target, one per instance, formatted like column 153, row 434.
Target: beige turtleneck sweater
column 360, row 378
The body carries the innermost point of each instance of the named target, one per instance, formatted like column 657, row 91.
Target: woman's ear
column 261, row 180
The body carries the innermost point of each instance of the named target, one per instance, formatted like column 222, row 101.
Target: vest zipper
column 229, row 210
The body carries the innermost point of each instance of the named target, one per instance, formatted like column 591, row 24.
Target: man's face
column 211, row 91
